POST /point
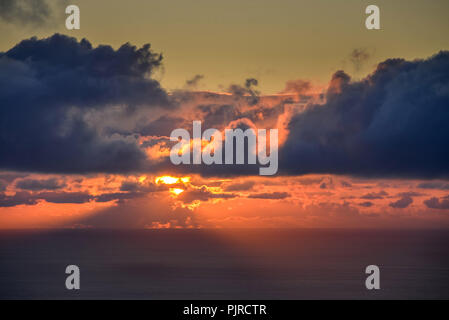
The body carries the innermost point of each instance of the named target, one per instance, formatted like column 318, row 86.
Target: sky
column 86, row 114
column 273, row 41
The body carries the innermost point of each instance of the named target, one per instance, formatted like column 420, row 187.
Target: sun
column 167, row 180
column 176, row 191
column 171, row 180
column 177, row 182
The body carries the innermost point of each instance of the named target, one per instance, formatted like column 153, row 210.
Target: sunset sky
column 86, row 115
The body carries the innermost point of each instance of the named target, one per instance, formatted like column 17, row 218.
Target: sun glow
column 176, row 182
column 167, row 180
column 171, row 180
column 176, row 191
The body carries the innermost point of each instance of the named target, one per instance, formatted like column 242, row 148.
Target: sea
column 248, row 264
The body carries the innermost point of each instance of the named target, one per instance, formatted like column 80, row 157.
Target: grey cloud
column 36, row 185
column 60, row 197
column 32, row 12
column 393, row 123
column 366, row 204
column 47, row 86
column 3, row 185
column 359, row 56
column 375, row 195
column 247, row 91
column 202, row 194
column 240, row 186
column 434, row 185
column 193, row 82
column 64, row 197
column 19, row 198
column 435, row 203
column 270, row 195
column 402, row 203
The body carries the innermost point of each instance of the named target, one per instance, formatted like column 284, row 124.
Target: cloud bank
column 394, row 123
column 33, row 13
column 49, row 87
column 59, row 95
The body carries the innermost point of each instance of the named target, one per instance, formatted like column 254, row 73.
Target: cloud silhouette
column 375, row 195
column 49, row 87
column 270, row 195
column 435, row 203
column 42, row 184
column 202, row 194
column 394, row 123
column 402, row 203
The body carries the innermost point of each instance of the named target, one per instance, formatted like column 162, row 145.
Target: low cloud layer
column 436, row 203
column 402, row 203
column 42, row 184
column 270, row 195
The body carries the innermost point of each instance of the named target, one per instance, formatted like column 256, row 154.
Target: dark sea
column 224, row 264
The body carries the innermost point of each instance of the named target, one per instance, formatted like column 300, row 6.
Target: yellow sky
column 273, row 41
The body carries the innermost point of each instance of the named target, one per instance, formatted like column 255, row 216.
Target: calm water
column 235, row 264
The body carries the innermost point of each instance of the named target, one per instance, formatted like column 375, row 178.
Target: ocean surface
column 224, row 264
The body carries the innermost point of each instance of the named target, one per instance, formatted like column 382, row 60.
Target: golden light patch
column 171, row 180
column 176, row 191
column 167, row 180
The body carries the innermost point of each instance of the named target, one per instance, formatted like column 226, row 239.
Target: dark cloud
column 193, row 82
column 240, row 186
column 25, row 12
column 374, row 195
column 324, row 185
column 27, row 198
column 434, row 185
column 146, row 187
column 64, row 197
column 202, row 194
column 19, row 198
column 48, row 86
column 390, row 124
column 358, row 57
column 402, row 203
column 3, row 185
column 36, row 185
column 435, row 203
column 11, row 176
column 346, row 184
column 162, row 126
column 120, row 196
column 60, row 197
column 131, row 186
column 410, row 194
column 366, row 204
column 270, row 195
column 220, row 116
column 247, row 91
